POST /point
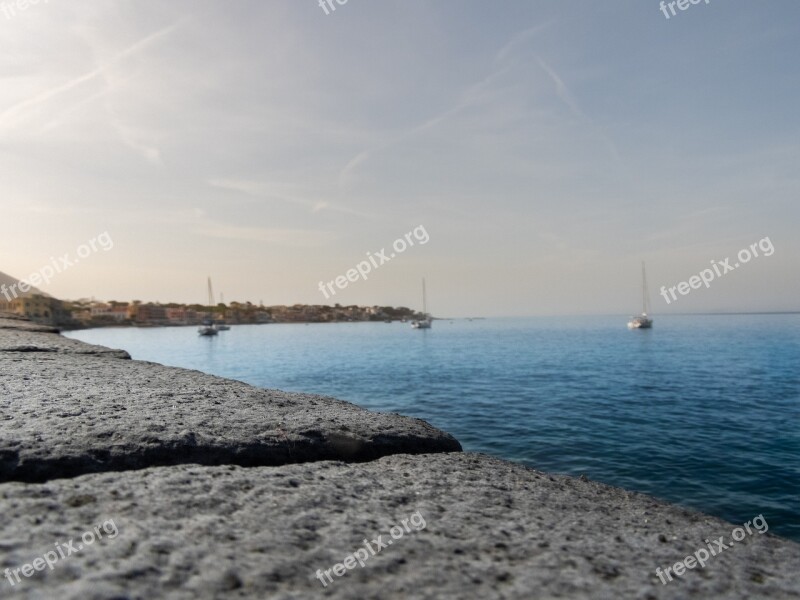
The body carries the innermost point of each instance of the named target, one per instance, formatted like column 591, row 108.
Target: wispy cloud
column 520, row 39
column 12, row 115
column 133, row 138
column 568, row 98
column 298, row 238
column 278, row 192
column 561, row 89
column 469, row 97
column 197, row 221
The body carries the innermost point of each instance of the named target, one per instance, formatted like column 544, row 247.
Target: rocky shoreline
column 218, row 489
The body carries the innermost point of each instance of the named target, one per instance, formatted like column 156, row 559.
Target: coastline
column 218, row 488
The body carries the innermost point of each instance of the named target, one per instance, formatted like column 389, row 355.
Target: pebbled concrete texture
column 493, row 529
column 221, row 490
column 21, row 336
column 68, row 408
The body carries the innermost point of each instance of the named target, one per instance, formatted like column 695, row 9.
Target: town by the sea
column 703, row 411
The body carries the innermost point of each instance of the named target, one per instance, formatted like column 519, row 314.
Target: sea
column 702, row 410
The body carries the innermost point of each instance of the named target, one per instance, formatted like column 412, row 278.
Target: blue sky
column 546, row 147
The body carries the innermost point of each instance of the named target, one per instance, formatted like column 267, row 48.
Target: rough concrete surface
column 13, row 322
column 493, row 529
column 66, row 411
column 19, row 336
column 234, row 527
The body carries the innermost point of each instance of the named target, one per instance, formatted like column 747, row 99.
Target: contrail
column 44, row 96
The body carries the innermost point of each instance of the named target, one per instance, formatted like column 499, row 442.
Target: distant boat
column 220, row 324
column 209, row 329
column 642, row 321
column 425, row 322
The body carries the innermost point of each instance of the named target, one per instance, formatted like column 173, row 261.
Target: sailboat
column 642, row 321
column 208, row 329
column 220, row 323
column 426, row 321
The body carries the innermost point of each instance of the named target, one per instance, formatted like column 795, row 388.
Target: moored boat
column 425, row 322
column 208, row 328
column 643, row 321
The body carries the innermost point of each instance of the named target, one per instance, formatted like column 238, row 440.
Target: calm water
column 702, row 411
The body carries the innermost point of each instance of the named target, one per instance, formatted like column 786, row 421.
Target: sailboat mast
column 210, row 294
column 424, row 300
column 644, row 290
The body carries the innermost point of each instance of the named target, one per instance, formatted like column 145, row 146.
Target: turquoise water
column 701, row 410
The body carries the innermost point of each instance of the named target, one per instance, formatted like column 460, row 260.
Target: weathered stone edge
column 312, row 447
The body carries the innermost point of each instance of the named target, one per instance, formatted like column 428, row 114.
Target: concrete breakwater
column 217, row 489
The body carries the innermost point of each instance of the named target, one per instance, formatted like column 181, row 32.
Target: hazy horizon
column 547, row 148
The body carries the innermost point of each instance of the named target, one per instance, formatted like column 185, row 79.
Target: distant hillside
column 8, row 281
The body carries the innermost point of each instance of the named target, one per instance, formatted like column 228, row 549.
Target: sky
column 546, row 149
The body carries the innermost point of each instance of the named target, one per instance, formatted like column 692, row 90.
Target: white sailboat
column 642, row 321
column 208, row 329
column 426, row 321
